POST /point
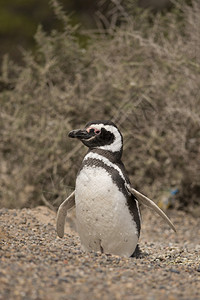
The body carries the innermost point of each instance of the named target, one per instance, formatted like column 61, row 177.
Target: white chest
column 104, row 222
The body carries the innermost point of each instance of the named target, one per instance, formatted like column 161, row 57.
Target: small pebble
column 174, row 271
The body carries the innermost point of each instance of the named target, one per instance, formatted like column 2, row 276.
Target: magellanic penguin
column 107, row 210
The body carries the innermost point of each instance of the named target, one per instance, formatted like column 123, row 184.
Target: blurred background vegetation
column 134, row 62
column 19, row 19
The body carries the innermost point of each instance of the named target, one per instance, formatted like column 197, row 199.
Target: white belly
column 104, row 222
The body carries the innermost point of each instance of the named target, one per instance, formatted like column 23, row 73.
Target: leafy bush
column 143, row 75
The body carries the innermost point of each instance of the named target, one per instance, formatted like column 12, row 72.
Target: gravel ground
column 36, row 264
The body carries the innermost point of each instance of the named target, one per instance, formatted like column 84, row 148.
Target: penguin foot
column 138, row 253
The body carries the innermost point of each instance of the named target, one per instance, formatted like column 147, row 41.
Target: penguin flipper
column 62, row 213
column 149, row 203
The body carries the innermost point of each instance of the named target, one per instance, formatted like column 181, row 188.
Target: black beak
column 79, row 134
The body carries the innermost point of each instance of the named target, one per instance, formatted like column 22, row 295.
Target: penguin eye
column 94, row 130
column 97, row 131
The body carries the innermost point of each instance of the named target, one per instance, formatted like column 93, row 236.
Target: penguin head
column 100, row 135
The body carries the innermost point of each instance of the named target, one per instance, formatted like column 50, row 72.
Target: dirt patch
column 36, row 264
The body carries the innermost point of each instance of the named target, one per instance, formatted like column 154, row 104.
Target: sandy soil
column 36, row 264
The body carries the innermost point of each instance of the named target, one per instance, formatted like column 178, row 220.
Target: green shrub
column 143, row 75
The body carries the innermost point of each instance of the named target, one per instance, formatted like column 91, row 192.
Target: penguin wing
column 62, row 213
column 149, row 203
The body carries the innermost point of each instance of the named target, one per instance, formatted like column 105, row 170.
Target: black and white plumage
column 107, row 211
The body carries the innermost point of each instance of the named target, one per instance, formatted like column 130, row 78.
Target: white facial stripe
column 105, row 161
column 117, row 144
